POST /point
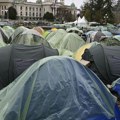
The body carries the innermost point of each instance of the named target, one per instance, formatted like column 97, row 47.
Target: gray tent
column 17, row 58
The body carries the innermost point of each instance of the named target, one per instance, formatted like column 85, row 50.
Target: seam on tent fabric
column 26, row 107
column 12, row 51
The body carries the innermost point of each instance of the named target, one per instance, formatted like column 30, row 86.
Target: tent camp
column 29, row 37
column 57, row 88
column 105, row 62
column 71, row 42
column 17, row 58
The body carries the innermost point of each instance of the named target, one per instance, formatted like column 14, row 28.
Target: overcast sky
column 78, row 3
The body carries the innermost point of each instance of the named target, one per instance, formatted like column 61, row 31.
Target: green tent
column 3, row 35
column 71, row 42
column 117, row 37
column 110, row 42
column 17, row 32
column 8, row 30
column 75, row 30
column 46, row 33
column 64, row 52
column 55, row 38
column 30, row 37
column 2, row 44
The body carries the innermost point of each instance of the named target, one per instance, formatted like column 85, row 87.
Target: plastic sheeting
column 57, row 88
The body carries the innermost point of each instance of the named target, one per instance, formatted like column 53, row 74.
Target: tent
column 71, row 42
column 46, row 33
column 39, row 29
column 2, row 44
column 3, row 36
column 96, row 36
column 29, row 37
column 17, row 58
column 110, row 41
column 78, row 55
column 116, row 90
column 116, row 86
column 105, row 62
column 9, row 30
column 83, row 22
column 57, row 88
column 115, row 31
column 78, row 20
column 17, row 32
column 117, row 37
column 55, row 38
column 75, row 30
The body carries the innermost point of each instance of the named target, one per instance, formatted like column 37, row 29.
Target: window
column 29, row 13
column 40, row 15
column 21, row 13
column 26, row 13
column 26, row 8
column 21, row 8
column 29, row 8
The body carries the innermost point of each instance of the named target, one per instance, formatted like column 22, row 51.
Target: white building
column 34, row 11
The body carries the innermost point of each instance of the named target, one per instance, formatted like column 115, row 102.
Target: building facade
column 35, row 11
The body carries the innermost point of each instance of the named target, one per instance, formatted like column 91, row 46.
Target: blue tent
column 116, row 86
column 57, row 88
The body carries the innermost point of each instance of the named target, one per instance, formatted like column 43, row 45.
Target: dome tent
column 17, row 32
column 2, row 44
column 9, row 30
column 45, row 93
column 110, row 41
column 55, row 38
column 105, row 62
column 3, row 36
column 17, row 58
column 71, row 42
column 29, row 37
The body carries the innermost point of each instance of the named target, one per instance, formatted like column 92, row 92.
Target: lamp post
column 6, row 12
column 54, row 7
column 106, row 17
